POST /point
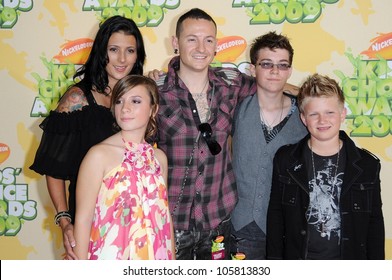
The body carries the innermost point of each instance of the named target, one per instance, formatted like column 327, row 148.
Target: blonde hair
column 317, row 85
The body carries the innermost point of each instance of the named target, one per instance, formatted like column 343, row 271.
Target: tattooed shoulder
column 74, row 99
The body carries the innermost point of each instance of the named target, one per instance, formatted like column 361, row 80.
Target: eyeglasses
column 270, row 65
column 206, row 132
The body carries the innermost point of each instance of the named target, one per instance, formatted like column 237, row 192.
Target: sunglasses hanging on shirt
column 206, row 132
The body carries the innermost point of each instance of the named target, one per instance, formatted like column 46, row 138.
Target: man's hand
column 154, row 74
column 292, row 89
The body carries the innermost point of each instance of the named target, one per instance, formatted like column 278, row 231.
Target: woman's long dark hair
column 93, row 73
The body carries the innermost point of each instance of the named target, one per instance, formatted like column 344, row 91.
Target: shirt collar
column 218, row 78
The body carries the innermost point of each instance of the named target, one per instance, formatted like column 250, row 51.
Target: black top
column 66, row 139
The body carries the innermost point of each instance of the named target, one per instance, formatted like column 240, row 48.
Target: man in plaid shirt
column 197, row 105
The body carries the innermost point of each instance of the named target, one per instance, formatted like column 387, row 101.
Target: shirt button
column 194, row 111
column 303, row 232
column 198, row 196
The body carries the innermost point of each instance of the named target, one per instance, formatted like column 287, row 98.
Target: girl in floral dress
column 122, row 209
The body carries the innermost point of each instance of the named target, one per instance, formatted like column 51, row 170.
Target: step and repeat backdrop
column 42, row 42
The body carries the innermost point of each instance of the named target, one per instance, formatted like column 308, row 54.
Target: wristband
column 60, row 215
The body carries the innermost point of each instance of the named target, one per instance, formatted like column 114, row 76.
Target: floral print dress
column 131, row 217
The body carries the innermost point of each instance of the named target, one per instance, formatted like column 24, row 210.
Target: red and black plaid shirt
column 210, row 192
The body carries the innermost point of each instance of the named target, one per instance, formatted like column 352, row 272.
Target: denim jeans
column 196, row 245
column 250, row 240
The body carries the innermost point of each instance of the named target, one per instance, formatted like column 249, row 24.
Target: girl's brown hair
column 126, row 84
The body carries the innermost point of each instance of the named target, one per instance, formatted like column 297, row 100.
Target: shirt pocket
column 171, row 120
column 361, row 197
column 225, row 115
column 289, row 191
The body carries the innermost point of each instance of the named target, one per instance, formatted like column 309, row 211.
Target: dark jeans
column 250, row 240
column 196, row 245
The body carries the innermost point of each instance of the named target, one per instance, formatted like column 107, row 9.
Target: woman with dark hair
column 95, row 69
column 83, row 118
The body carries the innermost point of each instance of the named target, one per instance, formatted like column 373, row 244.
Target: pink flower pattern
column 131, row 217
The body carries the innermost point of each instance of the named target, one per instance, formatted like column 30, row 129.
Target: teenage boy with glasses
column 264, row 122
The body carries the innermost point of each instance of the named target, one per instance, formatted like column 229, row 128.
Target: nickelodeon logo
column 4, row 152
column 230, row 48
column 381, row 47
column 75, row 52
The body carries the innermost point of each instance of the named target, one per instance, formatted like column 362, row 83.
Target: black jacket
column 362, row 223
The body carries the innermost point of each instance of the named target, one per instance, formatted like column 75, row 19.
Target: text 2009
column 243, row 270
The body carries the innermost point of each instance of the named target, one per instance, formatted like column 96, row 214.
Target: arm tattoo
column 73, row 100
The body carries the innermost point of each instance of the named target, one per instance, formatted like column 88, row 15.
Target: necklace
column 270, row 126
column 326, row 217
column 197, row 96
column 202, row 103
